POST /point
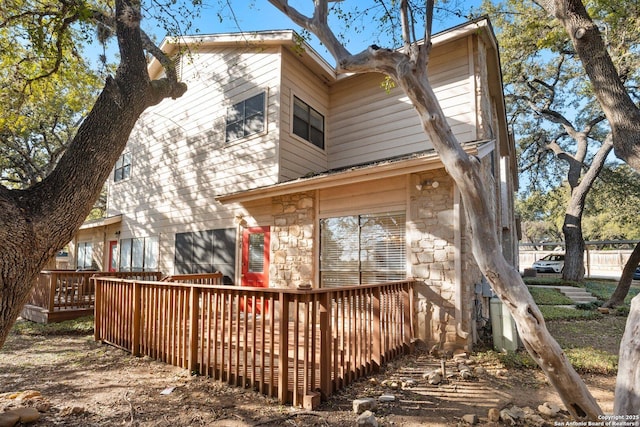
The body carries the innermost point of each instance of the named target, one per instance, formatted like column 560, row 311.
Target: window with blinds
column 362, row 249
column 308, row 123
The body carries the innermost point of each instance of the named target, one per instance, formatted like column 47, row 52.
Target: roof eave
column 428, row 161
column 102, row 222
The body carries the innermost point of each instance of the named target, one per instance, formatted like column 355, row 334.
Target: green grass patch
column 80, row 326
column 585, row 360
column 592, row 360
column 552, row 312
column 549, row 296
column 549, row 281
column 508, row 359
column 603, row 290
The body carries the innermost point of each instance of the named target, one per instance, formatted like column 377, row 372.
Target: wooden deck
column 60, row 295
column 296, row 345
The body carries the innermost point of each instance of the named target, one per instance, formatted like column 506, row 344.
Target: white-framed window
column 246, row 117
column 139, row 254
column 122, row 169
column 85, row 255
column 362, row 249
column 308, row 123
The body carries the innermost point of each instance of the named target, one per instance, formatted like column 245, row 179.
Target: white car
column 552, row 263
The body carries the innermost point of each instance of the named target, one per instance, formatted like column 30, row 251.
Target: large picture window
column 245, row 118
column 308, row 123
column 362, row 249
column 139, row 254
column 207, row 252
column 122, row 169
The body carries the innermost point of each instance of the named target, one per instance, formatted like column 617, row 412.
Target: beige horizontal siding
column 180, row 160
column 297, row 156
column 368, row 124
column 383, row 195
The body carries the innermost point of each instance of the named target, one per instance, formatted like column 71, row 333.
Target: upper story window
column 308, row 123
column 123, row 167
column 245, row 118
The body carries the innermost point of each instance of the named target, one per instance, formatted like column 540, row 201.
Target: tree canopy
column 562, row 132
column 610, row 209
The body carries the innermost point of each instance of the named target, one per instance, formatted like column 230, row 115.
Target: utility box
column 503, row 327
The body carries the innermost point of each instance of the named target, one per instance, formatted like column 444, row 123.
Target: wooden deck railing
column 196, row 279
column 284, row 343
column 64, row 290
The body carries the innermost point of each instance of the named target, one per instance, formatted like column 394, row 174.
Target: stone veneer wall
column 432, row 257
column 431, row 233
column 292, row 240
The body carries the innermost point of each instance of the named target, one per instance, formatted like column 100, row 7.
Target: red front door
column 255, row 257
column 255, row 264
column 113, row 255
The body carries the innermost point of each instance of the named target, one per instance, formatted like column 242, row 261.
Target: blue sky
column 257, row 15
column 261, row 15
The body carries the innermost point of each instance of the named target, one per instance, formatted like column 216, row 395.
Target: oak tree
column 35, row 222
column 562, row 132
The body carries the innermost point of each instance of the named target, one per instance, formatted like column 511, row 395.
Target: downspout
column 316, row 239
column 457, row 243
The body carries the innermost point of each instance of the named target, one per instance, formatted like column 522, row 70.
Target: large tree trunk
column 624, row 118
column 627, row 401
column 574, row 248
column 580, row 186
column 35, row 223
column 618, row 296
column 621, row 112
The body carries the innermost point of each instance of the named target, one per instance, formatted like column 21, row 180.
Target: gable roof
column 306, row 53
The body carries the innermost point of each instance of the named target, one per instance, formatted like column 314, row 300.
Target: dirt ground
column 84, row 383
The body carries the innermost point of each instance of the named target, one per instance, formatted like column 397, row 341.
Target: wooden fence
column 603, row 263
column 296, row 345
column 68, row 294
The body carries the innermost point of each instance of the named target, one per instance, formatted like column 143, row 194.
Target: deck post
column 53, row 282
column 97, row 313
column 326, row 351
column 283, row 349
column 194, row 296
column 376, row 339
column 137, row 304
column 407, row 327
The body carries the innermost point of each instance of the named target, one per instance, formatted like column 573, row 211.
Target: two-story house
column 278, row 172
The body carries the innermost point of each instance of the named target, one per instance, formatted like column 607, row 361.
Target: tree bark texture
column 624, row 284
column 573, row 269
column 36, row 222
column 627, row 395
column 621, row 112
